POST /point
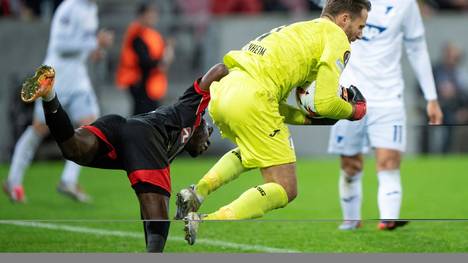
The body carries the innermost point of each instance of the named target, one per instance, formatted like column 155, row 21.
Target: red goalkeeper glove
column 358, row 102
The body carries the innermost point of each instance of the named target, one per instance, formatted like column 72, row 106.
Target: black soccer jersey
column 144, row 145
column 177, row 122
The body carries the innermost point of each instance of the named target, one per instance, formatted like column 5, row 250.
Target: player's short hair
column 354, row 7
column 144, row 6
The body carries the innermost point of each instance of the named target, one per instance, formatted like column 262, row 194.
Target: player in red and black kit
column 143, row 145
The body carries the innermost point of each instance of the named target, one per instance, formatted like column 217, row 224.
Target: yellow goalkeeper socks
column 226, row 169
column 253, row 203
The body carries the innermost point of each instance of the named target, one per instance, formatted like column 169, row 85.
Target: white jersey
column 375, row 64
column 72, row 38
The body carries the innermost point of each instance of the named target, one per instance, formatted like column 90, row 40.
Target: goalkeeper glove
column 357, row 100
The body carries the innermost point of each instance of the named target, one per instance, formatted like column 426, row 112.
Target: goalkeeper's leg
column 279, row 189
column 228, row 168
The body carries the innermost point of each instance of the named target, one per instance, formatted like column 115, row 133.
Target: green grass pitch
column 434, row 188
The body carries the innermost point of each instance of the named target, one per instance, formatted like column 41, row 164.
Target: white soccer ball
column 305, row 100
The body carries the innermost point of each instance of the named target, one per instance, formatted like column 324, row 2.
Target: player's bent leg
column 350, row 191
column 253, row 203
column 154, row 207
column 228, row 168
column 68, row 185
column 279, row 189
column 79, row 146
column 285, row 176
column 389, row 191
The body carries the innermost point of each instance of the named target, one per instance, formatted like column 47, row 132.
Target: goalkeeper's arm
column 295, row 116
column 328, row 104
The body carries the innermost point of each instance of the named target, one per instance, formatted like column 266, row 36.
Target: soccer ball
column 305, row 100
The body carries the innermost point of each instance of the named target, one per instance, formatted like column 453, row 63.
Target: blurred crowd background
column 33, row 9
column 202, row 31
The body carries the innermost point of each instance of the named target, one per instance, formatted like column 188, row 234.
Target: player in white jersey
column 73, row 38
column 375, row 67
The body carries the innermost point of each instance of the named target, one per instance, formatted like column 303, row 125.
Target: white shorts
column 78, row 105
column 74, row 90
column 382, row 127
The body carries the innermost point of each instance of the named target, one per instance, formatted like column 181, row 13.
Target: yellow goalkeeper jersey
column 295, row 55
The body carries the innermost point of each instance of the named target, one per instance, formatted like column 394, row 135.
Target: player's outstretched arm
column 216, row 73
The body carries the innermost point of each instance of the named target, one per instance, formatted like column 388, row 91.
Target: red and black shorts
column 136, row 147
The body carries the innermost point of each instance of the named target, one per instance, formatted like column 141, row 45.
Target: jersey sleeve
column 327, row 101
column 191, row 106
column 71, row 39
column 416, row 49
column 412, row 23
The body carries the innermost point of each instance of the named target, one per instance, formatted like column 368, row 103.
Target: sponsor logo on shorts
column 273, row 134
column 237, row 154
column 262, row 192
column 339, row 139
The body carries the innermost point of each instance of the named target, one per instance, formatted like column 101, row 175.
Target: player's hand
column 434, row 113
column 105, row 38
column 97, row 55
column 169, row 54
column 358, row 102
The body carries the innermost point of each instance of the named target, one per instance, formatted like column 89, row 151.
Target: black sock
column 57, row 120
column 156, row 235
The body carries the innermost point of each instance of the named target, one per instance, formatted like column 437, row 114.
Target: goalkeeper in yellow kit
column 249, row 107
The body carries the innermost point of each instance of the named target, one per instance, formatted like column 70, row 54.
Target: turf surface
column 434, row 188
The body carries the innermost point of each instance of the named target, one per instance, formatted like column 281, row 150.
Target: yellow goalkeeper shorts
column 249, row 115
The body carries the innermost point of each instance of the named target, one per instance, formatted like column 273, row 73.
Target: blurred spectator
column 144, row 60
column 273, row 6
column 452, row 4
column 197, row 15
column 298, row 8
column 451, row 84
column 5, row 9
column 31, row 9
column 452, row 88
column 444, row 4
column 221, row 7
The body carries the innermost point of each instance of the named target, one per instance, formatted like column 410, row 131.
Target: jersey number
column 260, row 38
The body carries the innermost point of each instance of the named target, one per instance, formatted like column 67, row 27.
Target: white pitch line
column 103, row 232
